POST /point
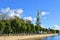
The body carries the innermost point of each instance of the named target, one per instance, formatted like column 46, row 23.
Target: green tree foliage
column 7, row 28
column 32, row 28
column 2, row 26
column 14, row 25
column 17, row 25
column 38, row 28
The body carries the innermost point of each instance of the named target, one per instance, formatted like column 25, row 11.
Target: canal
column 56, row 37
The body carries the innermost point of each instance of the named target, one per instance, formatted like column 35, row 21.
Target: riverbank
column 25, row 37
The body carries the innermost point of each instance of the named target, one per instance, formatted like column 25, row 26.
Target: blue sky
column 30, row 7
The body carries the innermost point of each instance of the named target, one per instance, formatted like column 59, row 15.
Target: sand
column 26, row 37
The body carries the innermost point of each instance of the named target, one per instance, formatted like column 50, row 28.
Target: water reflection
column 56, row 37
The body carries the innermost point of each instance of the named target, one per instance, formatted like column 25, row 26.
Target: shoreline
column 26, row 37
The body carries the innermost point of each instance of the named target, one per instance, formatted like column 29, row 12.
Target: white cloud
column 56, row 27
column 19, row 11
column 44, row 26
column 43, row 13
column 5, row 10
column 12, row 12
column 45, row 17
column 34, row 19
column 28, row 18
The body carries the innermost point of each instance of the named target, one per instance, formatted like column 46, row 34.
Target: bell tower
column 38, row 23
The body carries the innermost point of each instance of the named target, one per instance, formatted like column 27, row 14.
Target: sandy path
column 24, row 37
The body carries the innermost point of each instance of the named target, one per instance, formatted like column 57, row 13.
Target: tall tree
column 7, row 28
column 2, row 26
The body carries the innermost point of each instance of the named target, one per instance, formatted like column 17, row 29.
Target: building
column 38, row 21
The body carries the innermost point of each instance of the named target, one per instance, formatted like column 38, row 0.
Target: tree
column 28, row 28
column 7, row 28
column 32, row 28
column 14, row 25
column 46, row 30
column 2, row 26
column 38, row 28
column 57, row 31
column 52, row 31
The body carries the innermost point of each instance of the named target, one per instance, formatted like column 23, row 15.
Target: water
column 56, row 37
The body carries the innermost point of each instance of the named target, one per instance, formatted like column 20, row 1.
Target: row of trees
column 18, row 26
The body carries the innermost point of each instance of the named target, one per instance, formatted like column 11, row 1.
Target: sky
column 27, row 9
